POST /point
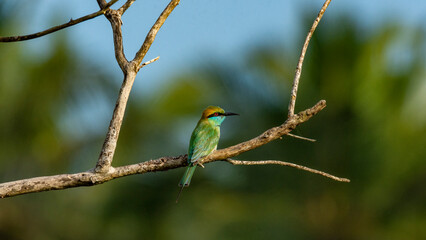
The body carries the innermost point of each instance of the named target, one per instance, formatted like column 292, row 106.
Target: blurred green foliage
column 54, row 113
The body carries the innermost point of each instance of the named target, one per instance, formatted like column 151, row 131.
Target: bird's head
column 215, row 114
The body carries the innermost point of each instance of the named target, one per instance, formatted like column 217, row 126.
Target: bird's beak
column 230, row 114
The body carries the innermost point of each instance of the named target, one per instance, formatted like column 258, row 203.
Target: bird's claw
column 200, row 164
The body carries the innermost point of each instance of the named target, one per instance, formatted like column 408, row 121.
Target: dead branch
column 125, row 6
column 59, row 27
column 150, row 37
column 282, row 163
column 148, row 62
column 300, row 137
column 104, row 172
column 91, row 177
column 130, row 70
column 293, row 95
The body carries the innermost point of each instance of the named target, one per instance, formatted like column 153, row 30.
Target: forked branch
column 104, row 172
column 293, row 94
column 130, row 69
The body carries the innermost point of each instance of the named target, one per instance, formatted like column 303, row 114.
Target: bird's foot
column 200, row 164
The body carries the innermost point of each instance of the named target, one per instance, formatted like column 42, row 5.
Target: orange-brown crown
column 211, row 110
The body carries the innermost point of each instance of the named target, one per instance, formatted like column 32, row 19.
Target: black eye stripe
column 215, row 114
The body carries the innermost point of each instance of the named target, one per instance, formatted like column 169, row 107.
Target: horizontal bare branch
column 59, row 27
column 88, row 178
column 92, row 177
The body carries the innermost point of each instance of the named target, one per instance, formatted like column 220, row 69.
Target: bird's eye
column 216, row 114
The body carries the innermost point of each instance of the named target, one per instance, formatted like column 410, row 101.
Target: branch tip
column 148, row 62
column 282, row 163
column 302, row 138
column 299, row 66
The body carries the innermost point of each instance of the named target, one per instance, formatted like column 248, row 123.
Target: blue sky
column 200, row 30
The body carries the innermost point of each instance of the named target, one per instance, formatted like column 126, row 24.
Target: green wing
column 204, row 140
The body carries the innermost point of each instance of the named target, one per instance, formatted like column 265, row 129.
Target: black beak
column 230, row 114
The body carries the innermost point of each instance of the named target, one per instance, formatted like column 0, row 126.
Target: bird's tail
column 186, row 179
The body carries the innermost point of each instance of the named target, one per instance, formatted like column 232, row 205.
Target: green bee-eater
column 203, row 141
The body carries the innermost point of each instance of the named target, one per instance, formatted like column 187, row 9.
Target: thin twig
column 293, row 95
column 148, row 62
column 276, row 162
column 300, row 137
column 59, row 27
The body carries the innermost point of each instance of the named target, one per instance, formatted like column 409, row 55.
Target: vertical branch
column 101, row 3
column 130, row 70
column 111, row 139
column 114, row 18
column 107, row 152
column 293, row 95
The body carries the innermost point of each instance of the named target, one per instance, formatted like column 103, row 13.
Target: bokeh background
column 367, row 59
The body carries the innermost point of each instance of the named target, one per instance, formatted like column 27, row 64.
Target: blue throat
column 217, row 120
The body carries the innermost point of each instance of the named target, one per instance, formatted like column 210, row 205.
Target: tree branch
column 269, row 135
column 130, row 70
column 92, row 177
column 101, row 3
column 59, row 27
column 300, row 137
column 114, row 17
column 150, row 37
column 148, row 62
column 103, row 171
column 293, row 95
column 125, row 6
column 275, row 162
column 110, row 143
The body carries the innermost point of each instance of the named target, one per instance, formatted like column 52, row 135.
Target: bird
column 204, row 140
